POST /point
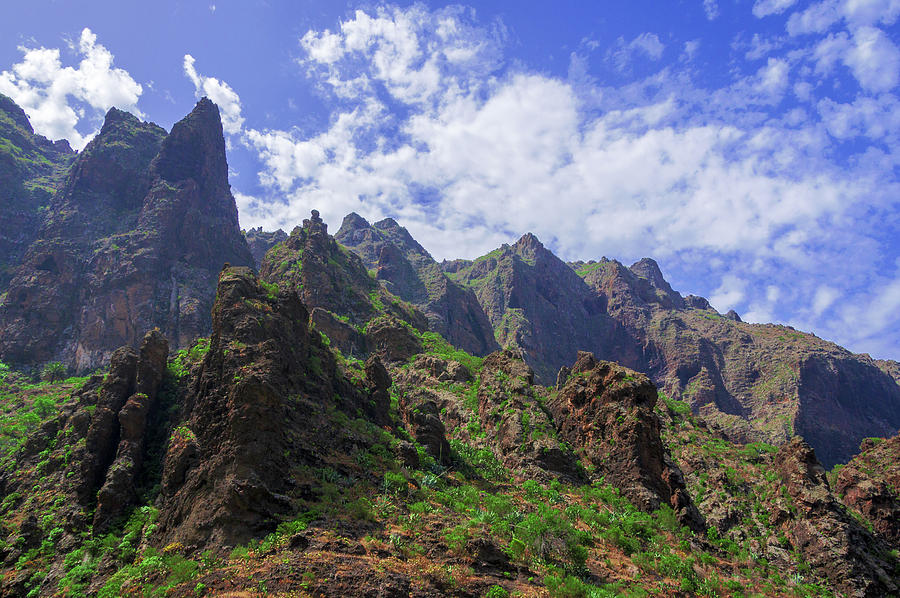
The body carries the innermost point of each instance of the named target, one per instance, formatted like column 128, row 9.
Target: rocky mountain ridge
column 133, row 239
column 757, row 382
column 364, row 421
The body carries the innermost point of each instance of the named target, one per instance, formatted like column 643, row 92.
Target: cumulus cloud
column 431, row 127
column 874, row 59
column 61, row 102
column 219, row 92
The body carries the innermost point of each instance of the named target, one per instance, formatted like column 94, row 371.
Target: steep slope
column 759, row 382
column 410, row 272
column 346, row 303
column 870, row 485
column 536, row 303
column 31, row 172
column 134, row 240
column 442, row 475
column 260, row 242
column 262, row 409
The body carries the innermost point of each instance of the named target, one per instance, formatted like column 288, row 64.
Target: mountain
column 411, row 273
column 356, row 419
column 133, row 240
column 758, row 382
column 260, row 242
column 264, row 460
column 32, row 170
column 537, row 304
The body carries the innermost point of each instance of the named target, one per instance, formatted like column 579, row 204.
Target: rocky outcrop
column 260, row 242
column 32, row 170
column 258, row 408
column 519, row 431
column 347, row 304
column 409, row 271
column 757, row 382
column 133, row 241
column 870, row 485
column 606, row 411
column 118, row 490
column 421, row 416
column 328, row 276
column 537, row 304
column 827, row 537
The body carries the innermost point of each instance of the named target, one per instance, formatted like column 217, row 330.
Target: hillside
column 356, row 419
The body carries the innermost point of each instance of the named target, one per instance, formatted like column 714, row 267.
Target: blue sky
column 750, row 146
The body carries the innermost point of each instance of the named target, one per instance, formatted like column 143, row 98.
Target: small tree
column 53, row 372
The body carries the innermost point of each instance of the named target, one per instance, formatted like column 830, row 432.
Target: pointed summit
column 195, row 149
column 353, row 222
column 15, row 112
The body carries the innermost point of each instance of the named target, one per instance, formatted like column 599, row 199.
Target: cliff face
column 409, row 271
column 32, row 170
column 259, row 410
column 133, row 240
column 758, row 382
column 536, row 303
column 870, row 485
column 260, row 242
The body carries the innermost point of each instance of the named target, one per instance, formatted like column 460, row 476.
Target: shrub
column 53, row 372
column 496, row 592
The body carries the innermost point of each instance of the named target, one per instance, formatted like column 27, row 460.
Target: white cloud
column 219, row 92
column 825, row 296
column 717, row 181
column 690, row 49
column 874, row 59
column 773, row 78
column 729, row 294
column 646, row 44
column 817, row 18
column 760, row 47
column 764, row 8
column 711, row 8
column 61, row 100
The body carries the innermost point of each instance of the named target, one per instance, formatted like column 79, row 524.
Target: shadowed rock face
column 260, row 242
column 757, row 382
column 256, row 411
column 133, row 241
column 537, row 304
column 410, row 272
column 827, row 537
column 870, row 485
column 32, row 170
column 607, row 412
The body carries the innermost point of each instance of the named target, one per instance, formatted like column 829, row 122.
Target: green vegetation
column 53, row 372
column 586, row 269
column 180, row 365
column 434, row 344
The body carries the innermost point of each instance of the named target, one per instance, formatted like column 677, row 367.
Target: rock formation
column 258, row 408
column 32, row 169
column 607, row 412
column 410, row 272
column 829, row 539
column 870, row 485
column 132, row 241
column 260, row 242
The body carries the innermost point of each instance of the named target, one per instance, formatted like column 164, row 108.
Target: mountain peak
column 15, row 112
column 353, row 222
column 528, row 243
column 195, row 149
